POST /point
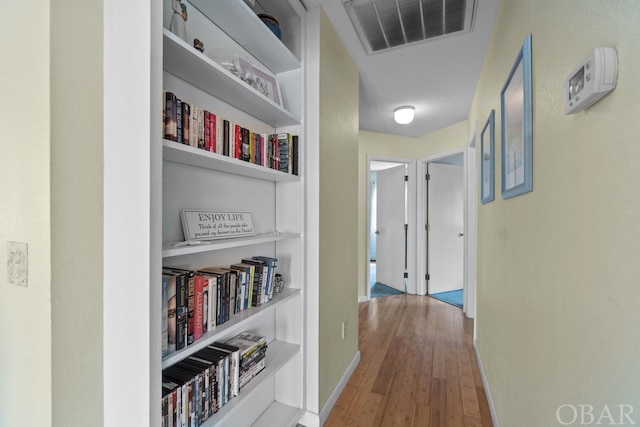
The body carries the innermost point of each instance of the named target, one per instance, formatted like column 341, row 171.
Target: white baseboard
column 363, row 298
column 326, row 409
column 309, row 419
column 485, row 384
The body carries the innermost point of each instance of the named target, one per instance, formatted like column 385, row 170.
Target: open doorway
column 388, row 236
column 444, row 216
column 468, row 154
column 391, row 212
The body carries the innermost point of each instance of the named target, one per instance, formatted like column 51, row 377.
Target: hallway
column 417, row 368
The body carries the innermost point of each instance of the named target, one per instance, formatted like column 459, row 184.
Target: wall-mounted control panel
column 595, row 77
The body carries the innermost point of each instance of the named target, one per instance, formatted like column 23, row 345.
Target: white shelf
column 278, row 354
column 188, row 155
column 236, row 19
column 279, row 414
column 169, row 250
column 195, row 68
column 234, row 324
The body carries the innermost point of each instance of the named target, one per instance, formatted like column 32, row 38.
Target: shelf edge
column 234, row 323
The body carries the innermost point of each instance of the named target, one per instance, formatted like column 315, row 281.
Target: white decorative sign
column 211, row 225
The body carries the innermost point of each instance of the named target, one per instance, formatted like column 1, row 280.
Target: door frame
column 450, row 177
column 469, row 233
column 411, row 220
column 470, row 212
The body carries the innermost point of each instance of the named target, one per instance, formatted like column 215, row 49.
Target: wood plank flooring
column 417, row 368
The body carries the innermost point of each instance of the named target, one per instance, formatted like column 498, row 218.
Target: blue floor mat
column 451, row 297
column 380, row 290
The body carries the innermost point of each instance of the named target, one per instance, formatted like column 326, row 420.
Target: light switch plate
column 17, row 263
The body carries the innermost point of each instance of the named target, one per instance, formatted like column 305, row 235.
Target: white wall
column 25, row 314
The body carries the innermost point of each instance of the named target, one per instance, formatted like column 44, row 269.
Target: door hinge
column 406, row 227
column 427, row 227
column 427, row 177
column 406, row 177
column 427, row 277
column 406, row 275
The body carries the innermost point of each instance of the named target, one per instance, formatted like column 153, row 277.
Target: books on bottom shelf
column 198, row 386
column 252, row 352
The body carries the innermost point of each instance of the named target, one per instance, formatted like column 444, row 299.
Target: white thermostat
column 591, row 80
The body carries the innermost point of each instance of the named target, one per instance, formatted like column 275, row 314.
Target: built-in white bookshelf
column 193, row 178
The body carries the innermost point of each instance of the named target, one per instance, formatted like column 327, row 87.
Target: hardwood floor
column 417, row 368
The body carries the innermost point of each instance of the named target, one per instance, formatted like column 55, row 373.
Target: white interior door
column 390, row 241
column 446, row 224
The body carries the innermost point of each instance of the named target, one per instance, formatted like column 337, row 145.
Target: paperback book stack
column 196, row 301
column 252, row 352
column 198, row 386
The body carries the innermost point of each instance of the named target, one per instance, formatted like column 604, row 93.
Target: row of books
column 189, row 124
column 195, row 302
column 197, row 387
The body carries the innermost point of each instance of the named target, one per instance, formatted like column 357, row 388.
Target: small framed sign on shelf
column 267, row 84
column 212, row 225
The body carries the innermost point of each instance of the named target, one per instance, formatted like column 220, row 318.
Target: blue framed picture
column 488, row 159
column 515, row 100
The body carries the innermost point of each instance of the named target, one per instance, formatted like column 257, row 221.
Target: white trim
column 412, row 224
column 367, row 251
column 312, row 208
column 485, row 384
column 309, row 419
column 421, row 206
column 129, row 342
column 333, row 398
column 363, row 298
column 440, row 156
column 470, row 213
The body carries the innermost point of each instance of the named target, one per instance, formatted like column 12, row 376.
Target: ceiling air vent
column 384, row 24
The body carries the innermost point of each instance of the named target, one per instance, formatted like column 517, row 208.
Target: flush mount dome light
column 403, row 115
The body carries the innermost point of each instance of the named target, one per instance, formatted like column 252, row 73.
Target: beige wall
column 378, row 144
column 77, row 212
column 338, row 209
column 25, row 314
column 558, row 296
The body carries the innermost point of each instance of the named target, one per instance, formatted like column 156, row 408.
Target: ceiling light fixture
column 403, row 115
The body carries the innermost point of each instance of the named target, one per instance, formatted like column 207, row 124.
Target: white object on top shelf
column 191, row 156
column 195, row 68
column 237, row 19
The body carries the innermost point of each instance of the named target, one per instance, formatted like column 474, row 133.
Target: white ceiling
column 438, row 77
